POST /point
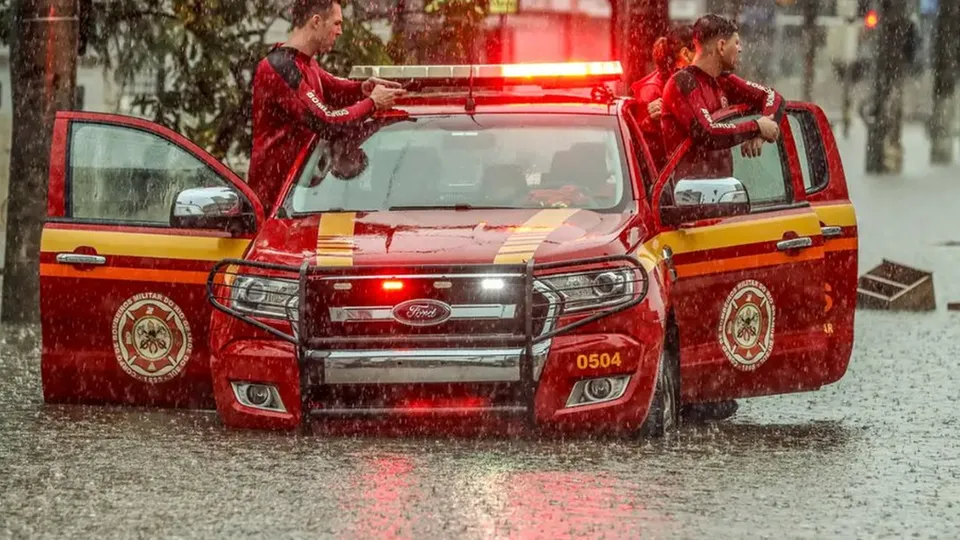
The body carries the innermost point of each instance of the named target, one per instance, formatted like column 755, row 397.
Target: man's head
column 319, row 21
column 718, row 38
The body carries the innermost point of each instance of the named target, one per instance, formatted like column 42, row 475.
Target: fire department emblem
column 151, row 338
column 746, row 325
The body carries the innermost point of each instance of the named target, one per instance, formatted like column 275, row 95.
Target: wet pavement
column 874, row 455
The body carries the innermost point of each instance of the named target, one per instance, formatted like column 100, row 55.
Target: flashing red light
column 392, row 285
column 872, row 19
column 563, row 69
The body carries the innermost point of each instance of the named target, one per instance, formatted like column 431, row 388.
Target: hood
column 477, row 236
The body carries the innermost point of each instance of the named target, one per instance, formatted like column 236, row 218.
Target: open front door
column 123, row 292
column 749, row 298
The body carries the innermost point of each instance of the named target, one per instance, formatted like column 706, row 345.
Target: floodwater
column 874, row 455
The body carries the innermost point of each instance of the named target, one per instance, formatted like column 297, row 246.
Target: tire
column 664, row 414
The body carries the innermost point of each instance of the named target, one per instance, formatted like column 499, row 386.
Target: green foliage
column 451, row 34
column 204, row 54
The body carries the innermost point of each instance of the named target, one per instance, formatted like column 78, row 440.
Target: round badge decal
column 747, row 325
column 151, row 338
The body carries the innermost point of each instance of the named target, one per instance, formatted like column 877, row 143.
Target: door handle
column 795, row 243
column 831, row 232
column 80, row 258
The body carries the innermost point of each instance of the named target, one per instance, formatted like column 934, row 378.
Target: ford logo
column 423, row 312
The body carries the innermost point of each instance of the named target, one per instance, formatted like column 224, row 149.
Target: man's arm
column 764, row 99
column 290, row 91
column 684, row 99
column 340, row 92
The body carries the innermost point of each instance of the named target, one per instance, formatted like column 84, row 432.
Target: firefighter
column 697, row 91
column 293, row 97
column 671, row 53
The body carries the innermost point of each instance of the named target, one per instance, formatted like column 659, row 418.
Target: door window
column 810, row 150
column 766, row 178
column 125, row 175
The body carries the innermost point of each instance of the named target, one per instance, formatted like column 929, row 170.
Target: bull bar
column 548, row 316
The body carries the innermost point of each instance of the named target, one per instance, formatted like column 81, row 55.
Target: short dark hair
column 302, row 10
column 711, row 27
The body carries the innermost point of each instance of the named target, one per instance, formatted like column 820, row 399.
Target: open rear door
column 826, row 188
column 124, row 309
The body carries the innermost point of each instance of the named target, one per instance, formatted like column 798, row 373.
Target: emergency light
column 544, row 75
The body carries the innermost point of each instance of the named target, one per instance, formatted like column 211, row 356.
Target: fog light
column 258, row 395
column 599, row 389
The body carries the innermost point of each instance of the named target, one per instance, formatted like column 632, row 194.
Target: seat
column 584, row 165
column 504, row 183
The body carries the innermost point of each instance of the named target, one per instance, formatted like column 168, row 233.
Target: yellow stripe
column 839, row 215
column 734, row 234
column 519, row 247
column 160, row 246
column 335, row 239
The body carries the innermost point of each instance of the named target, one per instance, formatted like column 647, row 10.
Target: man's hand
column 752, row 148
column 655, row 108
column 371, row 83
column 769, row 130
column 384, row 97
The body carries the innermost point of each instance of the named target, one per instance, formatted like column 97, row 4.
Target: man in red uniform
column 694, row 93
column 690, row 98
column 294, row 98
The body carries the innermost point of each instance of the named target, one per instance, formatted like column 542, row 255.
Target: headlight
column 266, row 297
column 588, row 290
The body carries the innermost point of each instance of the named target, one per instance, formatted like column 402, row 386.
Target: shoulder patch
column 284, row 62
column 686, row 82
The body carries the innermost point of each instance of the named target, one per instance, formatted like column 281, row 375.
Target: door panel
column 749, row 298
column 123, row 296
column 826, row 187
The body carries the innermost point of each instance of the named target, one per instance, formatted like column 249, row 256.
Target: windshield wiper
column 458, row 206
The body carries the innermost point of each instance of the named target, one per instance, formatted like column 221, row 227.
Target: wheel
column 664, row 414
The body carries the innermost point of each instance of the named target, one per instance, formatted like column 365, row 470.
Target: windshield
column 503, row 161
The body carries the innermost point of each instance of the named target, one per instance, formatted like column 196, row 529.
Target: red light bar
column 566, row 69
column 872, row 19
column 392, row 285
column 528, row 74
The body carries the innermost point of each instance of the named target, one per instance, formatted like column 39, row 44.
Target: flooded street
column 872, row 456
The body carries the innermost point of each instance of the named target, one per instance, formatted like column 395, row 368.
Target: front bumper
column 527, row 374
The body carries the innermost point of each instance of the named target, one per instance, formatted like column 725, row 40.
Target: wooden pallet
column 896, row 287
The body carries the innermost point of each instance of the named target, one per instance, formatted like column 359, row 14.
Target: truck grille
column 487, row 308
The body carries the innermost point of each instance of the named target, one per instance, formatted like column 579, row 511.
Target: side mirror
column 217, row 208
column 707, row 198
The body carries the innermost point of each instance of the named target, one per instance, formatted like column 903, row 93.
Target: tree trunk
column 43, row 75
column 647, row 20
column 884, row 147
column 811, row 8
column 943, row 119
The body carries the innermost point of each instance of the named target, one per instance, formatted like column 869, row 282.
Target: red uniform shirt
column 646, row 91
column 293, row 98
column 690, row 98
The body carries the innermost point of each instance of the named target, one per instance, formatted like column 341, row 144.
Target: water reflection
column 830, row 463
